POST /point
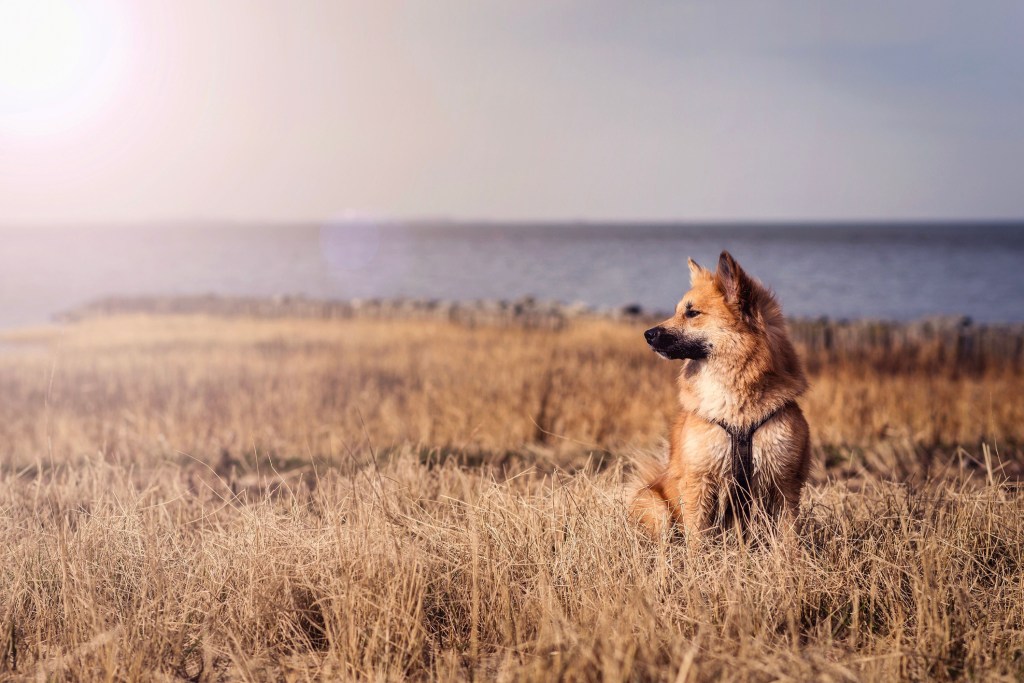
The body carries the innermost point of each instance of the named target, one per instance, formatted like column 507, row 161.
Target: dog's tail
column 648, row 506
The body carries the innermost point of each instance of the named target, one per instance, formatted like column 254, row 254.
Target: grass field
column 203, row 498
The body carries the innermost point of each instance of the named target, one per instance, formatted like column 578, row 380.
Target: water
column 842, row 271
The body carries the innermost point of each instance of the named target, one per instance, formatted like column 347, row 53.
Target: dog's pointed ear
column 733, row 282
column 696, row 271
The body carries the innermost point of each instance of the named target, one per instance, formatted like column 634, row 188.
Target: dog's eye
column 691, row 313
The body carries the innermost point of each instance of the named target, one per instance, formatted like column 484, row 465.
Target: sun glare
column 57, row 60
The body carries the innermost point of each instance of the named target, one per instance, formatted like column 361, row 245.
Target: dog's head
column 712, row 318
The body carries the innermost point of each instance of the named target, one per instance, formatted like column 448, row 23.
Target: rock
column 631, row 310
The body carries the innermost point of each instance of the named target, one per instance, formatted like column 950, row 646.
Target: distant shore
column 941, row 341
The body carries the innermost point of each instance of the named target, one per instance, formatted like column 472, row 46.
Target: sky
column 510, row 110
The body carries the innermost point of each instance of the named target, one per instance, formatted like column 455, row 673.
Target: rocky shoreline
column 522, row 312
column 937, row 341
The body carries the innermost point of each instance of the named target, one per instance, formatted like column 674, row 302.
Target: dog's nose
column 652, row 334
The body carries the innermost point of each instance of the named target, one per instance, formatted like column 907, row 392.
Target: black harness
column 741, row 457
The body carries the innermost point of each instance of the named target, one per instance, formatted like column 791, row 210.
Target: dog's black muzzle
column 675, row 346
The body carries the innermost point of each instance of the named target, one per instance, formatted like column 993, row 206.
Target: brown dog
column 740, row 445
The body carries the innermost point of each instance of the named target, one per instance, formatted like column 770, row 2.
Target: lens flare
column 57, row 62
column 350, row 244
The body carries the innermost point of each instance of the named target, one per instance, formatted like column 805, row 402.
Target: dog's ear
column 696, row 271
column 733, row 282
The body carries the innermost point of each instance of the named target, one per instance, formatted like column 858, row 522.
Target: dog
column 740, row 447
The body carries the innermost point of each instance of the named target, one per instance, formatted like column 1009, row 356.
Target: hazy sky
column 549, row 109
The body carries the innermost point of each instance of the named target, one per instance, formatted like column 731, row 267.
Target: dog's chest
column 709, row 450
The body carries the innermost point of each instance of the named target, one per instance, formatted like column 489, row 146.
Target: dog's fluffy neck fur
column 746, row 383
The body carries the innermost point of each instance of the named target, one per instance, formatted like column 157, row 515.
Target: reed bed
column 933, row 344
column 195, row 497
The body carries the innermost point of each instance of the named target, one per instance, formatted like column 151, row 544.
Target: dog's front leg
column 700, row 497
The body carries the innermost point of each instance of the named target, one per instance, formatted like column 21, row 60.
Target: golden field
column 212, row 498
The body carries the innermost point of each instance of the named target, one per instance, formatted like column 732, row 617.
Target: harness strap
column 741, row 456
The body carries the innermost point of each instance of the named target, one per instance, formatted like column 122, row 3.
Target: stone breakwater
column 523, row 312
column 949, row 343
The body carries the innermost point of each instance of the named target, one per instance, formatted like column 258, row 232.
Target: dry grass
column 197, row 498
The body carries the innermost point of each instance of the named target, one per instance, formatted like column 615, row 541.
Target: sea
column 898, row 271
